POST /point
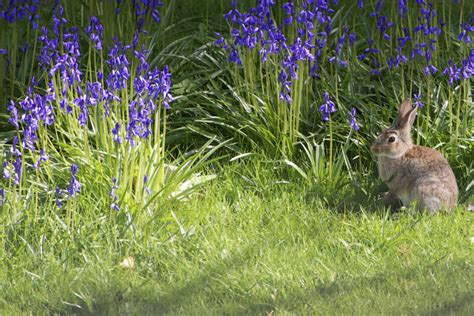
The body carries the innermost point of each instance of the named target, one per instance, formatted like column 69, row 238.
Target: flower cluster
column 37, row 109
column 308, row 24
column 142, row 7
column 63, row 91
column 467, row 28
column 18, row 10
column 256, row 29
column 372, row 53
column 95, row 31
column 306, row 31
column 465, row 70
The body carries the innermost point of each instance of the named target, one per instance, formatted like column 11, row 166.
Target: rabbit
column 413, row 174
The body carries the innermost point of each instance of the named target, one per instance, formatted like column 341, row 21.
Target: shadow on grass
column 407, row 292
column 212, row 292
column 205, row 292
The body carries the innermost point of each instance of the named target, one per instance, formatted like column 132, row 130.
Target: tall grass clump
column 89, row 134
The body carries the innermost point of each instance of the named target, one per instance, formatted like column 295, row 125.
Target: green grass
column 238, row 247
column 290, row 225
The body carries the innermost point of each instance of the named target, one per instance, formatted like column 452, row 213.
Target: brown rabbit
column 413, row 173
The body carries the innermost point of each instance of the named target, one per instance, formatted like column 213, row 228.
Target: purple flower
column 43, row 157
column 6, row 172
column 466, row 29
column 402, row 8
column 233, row 15
column 14, row 151
column 58, row 20
column 220, row 39
column 75, row 185
column 453, row 72
column 119, row 65
column 234, row 57
column 114, row 205
column 467, row 69
column 417, row 101
column 2, row 196
column 430, row 70
column 383, row 24
column 145, row 180
column 3, row 51
column 13, row 114
column 353, row 121
column 95, row 31
column 20, row 10
column 58, row 194
column 143, row 65
column 116, row 133
column 289, row 9
column 17, row 170
column 327, row 107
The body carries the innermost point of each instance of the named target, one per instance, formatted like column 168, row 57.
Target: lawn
column 213, row 157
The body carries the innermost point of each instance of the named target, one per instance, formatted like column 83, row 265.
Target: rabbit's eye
column 391, row 139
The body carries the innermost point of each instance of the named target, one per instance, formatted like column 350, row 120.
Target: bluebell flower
column 220, row 39
column 119, row 64
column 75, row 185
column 95, row 31
column 58, row 194
column 14, row 151
column 17, row 168
column 143, row 65
column 417, row 102
column 58, row 20
column 2, row 196
column 466, row 29
column 145, row 181
column 327, row 107
column 13, row 114
column 233, row 15
column 453, row 72
column 372, row 53
column 353, row 121
column 383, row 24
column 116, row 133
column 378, row 8
column 430, row 70
column 6, row 170
column 3, row 51
column 289, row 9
column 234, row 57
column 20, row 10
column 43, row 157
column 467, row 69
column 402, row 8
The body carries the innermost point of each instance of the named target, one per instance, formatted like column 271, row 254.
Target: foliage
column 116, row 114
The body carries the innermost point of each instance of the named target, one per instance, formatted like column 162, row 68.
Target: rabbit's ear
column 406, row 123
column 409, row 118
column 405, row 107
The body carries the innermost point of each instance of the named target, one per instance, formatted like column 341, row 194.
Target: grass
column 291, row 223
column 237, row 248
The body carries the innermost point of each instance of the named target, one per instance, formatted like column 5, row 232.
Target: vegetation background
column 211, row 156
